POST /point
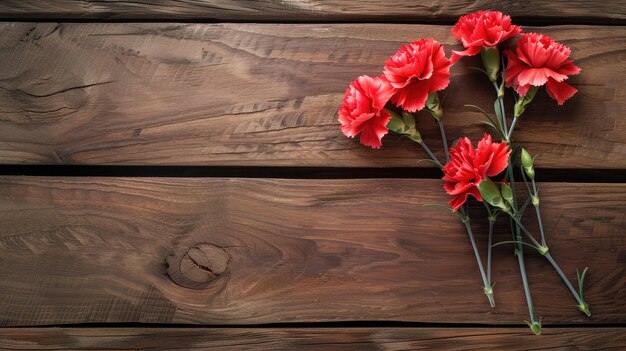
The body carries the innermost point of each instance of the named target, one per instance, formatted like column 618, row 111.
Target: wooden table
column 173, row 176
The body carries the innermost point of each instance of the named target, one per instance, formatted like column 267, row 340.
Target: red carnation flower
column 539, row 60
column 482, row 29
column 363, row 110
column 416, row 70
column 469, row 166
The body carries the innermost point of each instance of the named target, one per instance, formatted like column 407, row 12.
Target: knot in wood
column 198, row 265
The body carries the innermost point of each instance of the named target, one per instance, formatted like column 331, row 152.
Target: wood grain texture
column 576, row 11
column 78, row 250
column 261, row 94
column 365, row 339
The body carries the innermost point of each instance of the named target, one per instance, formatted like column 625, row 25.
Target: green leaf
column 516, row 242
column 495, row 127
column 523, row 208
column 479, row 70
column 581, row 280
column 496, row 124
column 433, row 162
column 496, row 108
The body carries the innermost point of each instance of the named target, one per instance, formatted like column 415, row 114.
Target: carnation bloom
column 482, row 29
column 363, row 110
column 416, row 70
column 539, row 60
column 468, row 166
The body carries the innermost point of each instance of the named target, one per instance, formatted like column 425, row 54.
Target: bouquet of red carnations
column 410, row 82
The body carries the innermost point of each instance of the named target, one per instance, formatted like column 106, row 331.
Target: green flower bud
column 527, row 160
column 507, row 193
column 536, row 201
column 527, row 163
column 491, row 61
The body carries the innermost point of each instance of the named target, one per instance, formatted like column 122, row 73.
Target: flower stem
column 490, row 242
column 535, row 194
column 430, row 154
column 509, row 134
column 444, row 140
column 487, row 286
column 558, row 269
column 582, row 305
column 500, row 103
column 519, row 252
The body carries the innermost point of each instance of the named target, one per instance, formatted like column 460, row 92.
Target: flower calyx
column 433, row 105
column 404, row 124
column 492, row 195
column 491, row 61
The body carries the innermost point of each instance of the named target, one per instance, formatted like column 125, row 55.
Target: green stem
column 536, row 195
column 528, row 234
column 500, row 100
column 509, row 134
column 444, row 140
column 564, row 277
column 519, row 252
column 487, row 289
column 490, row 241
column 487, row 286
column 430, row 154
column 534, row 325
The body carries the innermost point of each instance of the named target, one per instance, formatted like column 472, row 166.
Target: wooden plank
column 111, row 250
column 312, row 339
column 265, row 95
column 575, row 11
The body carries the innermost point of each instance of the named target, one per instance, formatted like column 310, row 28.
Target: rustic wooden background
column 173, row 176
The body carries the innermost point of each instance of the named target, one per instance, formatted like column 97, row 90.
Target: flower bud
column 434, row 105
column 527, row 163
column 491, row 61
column 507, row 193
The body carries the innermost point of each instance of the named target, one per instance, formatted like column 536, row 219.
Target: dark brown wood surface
column 248, row 251
column 378, row 339
column 266, row 95
column 560, row 11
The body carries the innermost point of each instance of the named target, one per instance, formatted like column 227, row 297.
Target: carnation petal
column 471, row 51
column 560, row 91
column 569, row 68
column 413, row 97
column 371, row 136
column 533, row 76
